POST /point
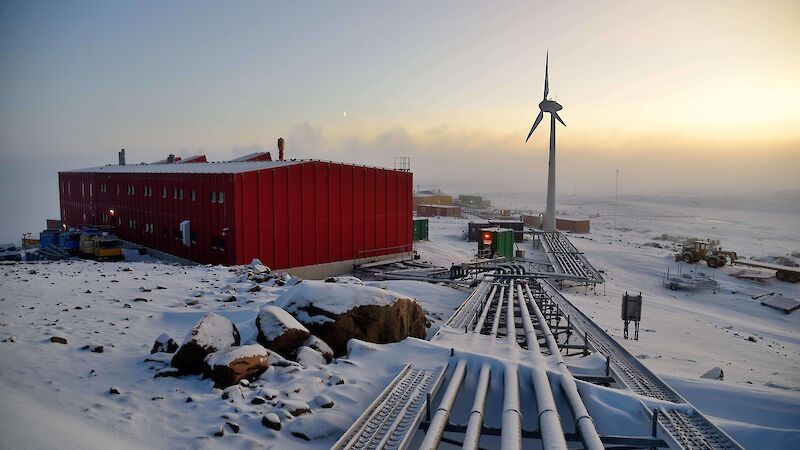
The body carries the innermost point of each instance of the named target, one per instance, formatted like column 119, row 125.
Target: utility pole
column 616, row 197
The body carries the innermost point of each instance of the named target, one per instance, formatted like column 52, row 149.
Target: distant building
column 473, row 201
column 573, row 225
column 438, row 210
column 531, row 220
column 432, row 198
column 312, row 218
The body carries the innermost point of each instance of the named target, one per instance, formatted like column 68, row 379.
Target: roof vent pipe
column 121, row 155
column 280, row 149
column 170, row 158
column 269, row 156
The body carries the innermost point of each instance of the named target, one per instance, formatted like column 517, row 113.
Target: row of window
column 177, row 194
column 149, row 228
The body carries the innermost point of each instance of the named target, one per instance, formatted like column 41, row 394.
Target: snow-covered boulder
column 338, row 312
column 279, row 331
column 344, row 280
column 229, row 366
column 308, row 357
column 714, row 374
column 320, row 346
column 165, row 344
column 212, row 333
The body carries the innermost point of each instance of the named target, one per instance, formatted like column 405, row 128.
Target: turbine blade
column 535, row 124
column 546, row 85
column 559, row 118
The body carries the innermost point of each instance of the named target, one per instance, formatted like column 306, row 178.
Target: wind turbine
column 552, row 107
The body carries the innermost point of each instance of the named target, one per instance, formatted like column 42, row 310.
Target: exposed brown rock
column 212, row 333
column 279, row 331
column 58, row 340
column 370, row 323
column 228, row 367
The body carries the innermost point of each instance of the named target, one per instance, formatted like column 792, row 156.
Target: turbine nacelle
column 549, row 106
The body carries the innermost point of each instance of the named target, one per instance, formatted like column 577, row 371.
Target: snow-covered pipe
column 485, row 312
column 549, row 420
column 511, row 329
column 583, row 422
column 472, row 436
column 498, row 311
column 511, row 433
column 439, row 422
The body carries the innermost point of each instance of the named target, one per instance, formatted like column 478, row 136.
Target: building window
column 83, row 191
column 194, row 195
column 221, row 198
column 163, row 192
column 174, row 193
column 69, row 187
column 117, row 189
column 180, row 194
column 213, row 197
column 90, row 190
column 84, row 217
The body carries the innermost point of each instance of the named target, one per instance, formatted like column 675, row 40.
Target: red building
column 438, row 210
column 314, row 218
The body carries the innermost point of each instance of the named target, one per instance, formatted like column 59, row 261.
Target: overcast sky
column 680, row 96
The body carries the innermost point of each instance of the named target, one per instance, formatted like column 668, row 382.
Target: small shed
column 573, row 225
column 500, row 240
column 474, row 229
column 531, row 220
column 438, row 211
column 420, row 229
column 515, row 225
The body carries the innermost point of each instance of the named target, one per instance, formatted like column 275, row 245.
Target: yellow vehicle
column 100, row 244
column 695, row 250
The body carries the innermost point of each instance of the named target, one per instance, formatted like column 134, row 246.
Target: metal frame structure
column 567, row 259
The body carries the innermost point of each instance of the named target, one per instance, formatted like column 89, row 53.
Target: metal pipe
column 482, row 319
column 511, row 330
column 497, row 312
column 439, row 422
column 472, row 437
column 583, row 422
column 549, row 422
column 511, row 433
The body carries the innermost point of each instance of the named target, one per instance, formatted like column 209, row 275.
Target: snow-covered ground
column 56, row 395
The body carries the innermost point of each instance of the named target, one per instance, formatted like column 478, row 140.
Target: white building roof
column 208, row 167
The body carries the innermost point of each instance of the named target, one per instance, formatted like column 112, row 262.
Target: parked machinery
column 100, row 243
column 695, row 250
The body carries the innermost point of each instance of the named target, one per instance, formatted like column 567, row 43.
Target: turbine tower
column 552, row 107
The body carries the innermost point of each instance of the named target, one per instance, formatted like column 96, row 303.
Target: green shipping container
column 420, row 229
column 500, row 240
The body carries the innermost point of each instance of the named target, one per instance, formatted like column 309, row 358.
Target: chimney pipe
column 280, row 149
column 121, row 155
column 170, row 158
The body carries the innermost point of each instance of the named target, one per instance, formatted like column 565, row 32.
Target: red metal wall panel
column 281, row 196
column 359, row 215
column 322, row 214
column 295, row 217
column 391, row 211
column 266, row 218
column 308, row 212
column 348, row 213
column 335, row 200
